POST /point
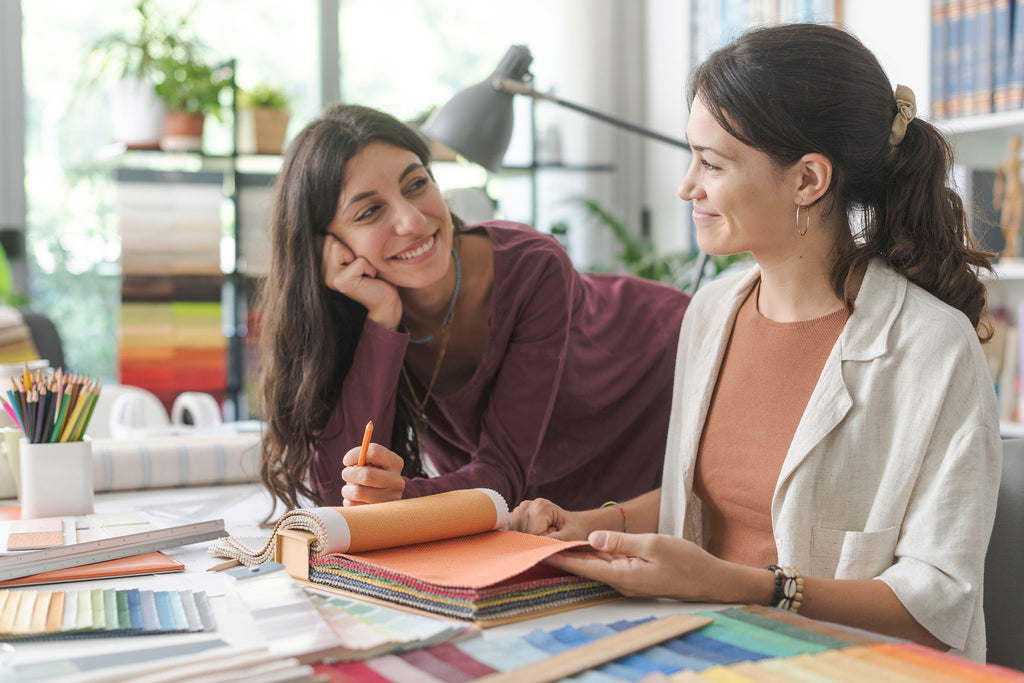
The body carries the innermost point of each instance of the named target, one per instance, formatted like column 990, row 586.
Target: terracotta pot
column 183, row 132
column 269, row 128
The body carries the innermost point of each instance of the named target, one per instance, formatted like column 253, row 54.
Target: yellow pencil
column 80, row 401
column 94, row 395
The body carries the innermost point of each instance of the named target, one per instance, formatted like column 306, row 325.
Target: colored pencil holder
column 56, row 478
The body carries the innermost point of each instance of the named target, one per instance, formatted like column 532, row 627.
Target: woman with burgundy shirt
column 833, row 418
column 483, row 358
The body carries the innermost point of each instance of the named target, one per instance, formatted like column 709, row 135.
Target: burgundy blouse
column 570, row 400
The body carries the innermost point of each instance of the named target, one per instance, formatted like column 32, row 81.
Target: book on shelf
column 982, row 55
column 444, row 554
column 939, row 83
column 1016, row 84
column 966, row 59
column 1006, row 388
column 953, row 58
column 1001, row 41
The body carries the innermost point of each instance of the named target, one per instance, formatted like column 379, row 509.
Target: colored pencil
column 367, row 433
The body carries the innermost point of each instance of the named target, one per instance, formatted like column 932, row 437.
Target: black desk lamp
column 477, row 121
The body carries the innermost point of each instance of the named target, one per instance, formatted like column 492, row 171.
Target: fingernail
column 599, row 539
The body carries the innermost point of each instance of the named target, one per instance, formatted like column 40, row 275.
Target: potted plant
column 131, row 60
column 263, row 115
column 190, row 88
column 639, row 256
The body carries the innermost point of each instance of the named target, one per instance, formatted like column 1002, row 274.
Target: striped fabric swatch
column 541, row 587
column 742, row 645
column 101, row 612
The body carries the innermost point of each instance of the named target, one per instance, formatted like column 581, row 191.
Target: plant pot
column 262, row 130
column 183, row 132
column 138, row 114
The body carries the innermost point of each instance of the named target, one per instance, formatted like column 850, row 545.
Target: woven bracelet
column 789, row 588
column 625, row 523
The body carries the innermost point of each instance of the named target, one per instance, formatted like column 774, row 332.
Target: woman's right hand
column 379, row 479
column 356, row 278
column 541, row 517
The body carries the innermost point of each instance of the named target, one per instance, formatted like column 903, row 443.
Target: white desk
column 242, row 507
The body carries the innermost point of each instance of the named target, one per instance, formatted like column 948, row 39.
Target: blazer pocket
column 852, row 554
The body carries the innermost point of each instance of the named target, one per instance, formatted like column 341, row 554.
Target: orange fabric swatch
column 475, row 561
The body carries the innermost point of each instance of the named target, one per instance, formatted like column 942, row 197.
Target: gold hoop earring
column 807, row 224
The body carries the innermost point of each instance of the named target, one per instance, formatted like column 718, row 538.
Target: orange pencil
column 366, row 444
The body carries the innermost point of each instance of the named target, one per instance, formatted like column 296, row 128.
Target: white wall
column 898, row 32
column 666, row 50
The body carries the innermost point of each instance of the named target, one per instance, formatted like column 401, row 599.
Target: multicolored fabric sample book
column 443, row 554
column 740, row 645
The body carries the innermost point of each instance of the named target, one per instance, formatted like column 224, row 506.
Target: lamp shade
column 477, row 122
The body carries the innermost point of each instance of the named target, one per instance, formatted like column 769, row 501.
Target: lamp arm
column 519, row 88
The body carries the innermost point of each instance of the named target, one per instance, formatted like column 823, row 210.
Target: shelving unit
column 193, row 245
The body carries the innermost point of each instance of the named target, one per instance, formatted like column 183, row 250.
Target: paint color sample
column 34, row 534
column 48, row 615
column 729, row 650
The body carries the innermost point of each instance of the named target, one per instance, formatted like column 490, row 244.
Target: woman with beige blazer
column 833, row 417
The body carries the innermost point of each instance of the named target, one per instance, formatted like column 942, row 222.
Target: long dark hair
column 797, row 88
column 309, row 332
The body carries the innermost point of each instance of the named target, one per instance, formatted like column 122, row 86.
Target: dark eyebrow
column 363, row 195
column 702, row 148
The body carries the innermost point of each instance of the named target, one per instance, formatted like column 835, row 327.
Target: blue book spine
column 952, row 59
column 1001, row 28
column 967, row 58
column 1015, row 87
column 983, row 47
column 940, row 19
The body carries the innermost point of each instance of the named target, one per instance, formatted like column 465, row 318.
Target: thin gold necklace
column 421, row 405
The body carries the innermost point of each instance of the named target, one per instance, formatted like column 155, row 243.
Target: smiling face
column 391, row 213
column 741, row 201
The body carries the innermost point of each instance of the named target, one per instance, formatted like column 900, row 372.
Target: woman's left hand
column 648, row 565
column 378, row 480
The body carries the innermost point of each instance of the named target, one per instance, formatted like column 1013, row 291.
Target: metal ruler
column 18, row 565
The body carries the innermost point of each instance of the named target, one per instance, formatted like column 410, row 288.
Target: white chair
column 121, row 406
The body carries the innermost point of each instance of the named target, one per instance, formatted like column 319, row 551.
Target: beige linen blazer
column 894, row 467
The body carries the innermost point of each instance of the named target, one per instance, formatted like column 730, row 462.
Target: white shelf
column 1007, row 122
column 982, row 141
column 1012, row 269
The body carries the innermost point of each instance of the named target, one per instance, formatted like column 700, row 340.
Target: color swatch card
column 739, row 645
column 34, row 534
column 367, row 629
column 312, row 625
column 50, row 532
column 101, row 612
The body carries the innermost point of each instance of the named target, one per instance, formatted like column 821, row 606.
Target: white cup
column 56, row 478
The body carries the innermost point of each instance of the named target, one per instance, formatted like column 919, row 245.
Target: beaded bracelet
column 625, row 524
column 789, row 588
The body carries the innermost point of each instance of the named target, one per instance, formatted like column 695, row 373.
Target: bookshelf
column 975, row 55
column 193, row 244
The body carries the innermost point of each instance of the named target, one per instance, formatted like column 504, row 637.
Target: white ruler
column 17, row 565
